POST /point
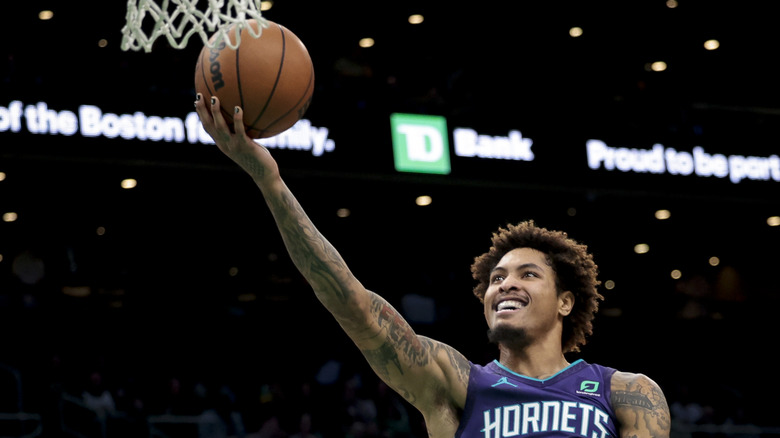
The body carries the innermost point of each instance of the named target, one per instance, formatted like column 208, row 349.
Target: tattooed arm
column 430, row 375
column 640, row 406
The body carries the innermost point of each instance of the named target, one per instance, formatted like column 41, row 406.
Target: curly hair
column 570, row 260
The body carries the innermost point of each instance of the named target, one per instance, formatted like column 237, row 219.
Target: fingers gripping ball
column 271, row 78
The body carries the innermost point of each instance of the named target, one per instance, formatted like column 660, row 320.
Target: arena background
column 185, row 278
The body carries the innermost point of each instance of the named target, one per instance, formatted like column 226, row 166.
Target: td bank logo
column 420, row 143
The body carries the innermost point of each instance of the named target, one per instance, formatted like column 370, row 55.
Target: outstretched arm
column 430, row 375
column 640, row 406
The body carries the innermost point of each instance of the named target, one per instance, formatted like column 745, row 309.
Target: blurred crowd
column 339, row 401
column 97, row 403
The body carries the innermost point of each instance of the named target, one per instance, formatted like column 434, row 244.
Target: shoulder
column 640, row 405
column 638, row 387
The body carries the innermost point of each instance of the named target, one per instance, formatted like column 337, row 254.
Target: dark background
column 163, row 300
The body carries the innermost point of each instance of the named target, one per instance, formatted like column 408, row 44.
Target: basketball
column 270, row 77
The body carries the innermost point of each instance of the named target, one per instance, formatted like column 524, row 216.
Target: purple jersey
column 574, row 402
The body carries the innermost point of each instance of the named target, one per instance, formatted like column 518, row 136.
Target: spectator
column 98, row 399
column 305, row 428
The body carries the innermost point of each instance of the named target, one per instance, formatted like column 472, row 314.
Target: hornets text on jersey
column 575, row 402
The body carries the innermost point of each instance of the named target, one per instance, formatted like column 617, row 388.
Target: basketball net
column 178, row 20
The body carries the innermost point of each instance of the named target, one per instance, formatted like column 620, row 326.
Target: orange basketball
column 271, row 78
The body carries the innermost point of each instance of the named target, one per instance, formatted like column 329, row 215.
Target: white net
column 178, row 20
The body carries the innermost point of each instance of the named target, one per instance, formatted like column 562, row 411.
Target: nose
column 507, row 285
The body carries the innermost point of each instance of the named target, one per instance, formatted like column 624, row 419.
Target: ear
column 565, row 303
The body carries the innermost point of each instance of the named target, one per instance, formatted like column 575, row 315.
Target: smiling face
column 521, row 300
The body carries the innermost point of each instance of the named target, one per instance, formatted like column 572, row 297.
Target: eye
column 531, row 274
column 496, row 278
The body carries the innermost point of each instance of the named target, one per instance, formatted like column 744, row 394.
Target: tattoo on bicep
column 399, row 336
column 459, row 363
column 381, row 358
column 646, row 405
column 631, row 399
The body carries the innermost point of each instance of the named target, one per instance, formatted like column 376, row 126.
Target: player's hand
column 239, row 147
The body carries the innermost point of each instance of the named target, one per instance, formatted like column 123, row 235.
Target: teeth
column 510, row 305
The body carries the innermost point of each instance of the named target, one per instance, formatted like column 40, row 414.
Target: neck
column 536, row 360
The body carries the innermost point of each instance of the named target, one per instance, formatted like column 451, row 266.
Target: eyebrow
column 521, row 267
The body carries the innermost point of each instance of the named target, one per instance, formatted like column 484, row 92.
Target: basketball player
column 538, row 288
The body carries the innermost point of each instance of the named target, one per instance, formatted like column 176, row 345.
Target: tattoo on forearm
column 304, row 243
column 252, row 166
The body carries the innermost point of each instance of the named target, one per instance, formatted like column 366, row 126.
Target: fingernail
column 197, row 97
column 237, row 109
column 213, row 100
